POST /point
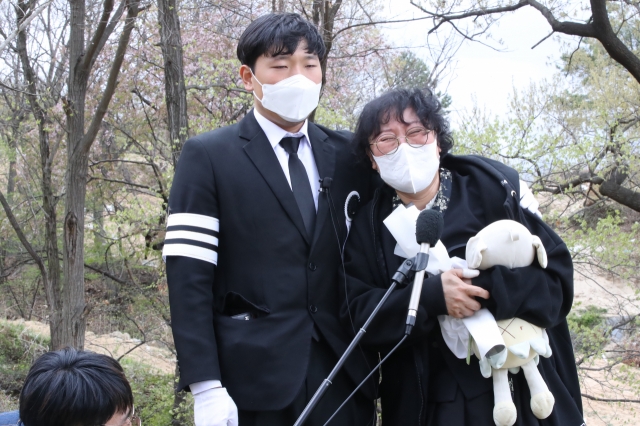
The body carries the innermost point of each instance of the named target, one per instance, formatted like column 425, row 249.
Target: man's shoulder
column 340, row 136
column 220, row 136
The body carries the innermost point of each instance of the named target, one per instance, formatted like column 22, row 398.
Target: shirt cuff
column 432, row 297
column 200, row 387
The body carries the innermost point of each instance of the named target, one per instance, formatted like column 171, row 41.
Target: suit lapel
column 325, row 156
column 264, row 158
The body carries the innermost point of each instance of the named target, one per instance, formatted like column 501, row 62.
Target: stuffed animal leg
column 525, row 344
column 542, row 400
column 504, row 410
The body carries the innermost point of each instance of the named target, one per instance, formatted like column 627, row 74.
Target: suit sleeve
column 190, row 252
column 364, row 285
column 541, row 296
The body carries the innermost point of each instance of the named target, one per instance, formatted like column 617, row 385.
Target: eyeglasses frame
column 132, row 419
column 406, row 140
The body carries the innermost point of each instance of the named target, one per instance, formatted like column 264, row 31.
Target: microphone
column 325, row 183
column 428, row 231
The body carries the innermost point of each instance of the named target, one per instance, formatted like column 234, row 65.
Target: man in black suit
column 257, row 222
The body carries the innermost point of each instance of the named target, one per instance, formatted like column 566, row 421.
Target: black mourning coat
column 424, row 374
column 266, row 265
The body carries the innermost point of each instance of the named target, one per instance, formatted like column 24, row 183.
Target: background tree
column 174, row 87
column 70, row 57
column 613, row 24
column 409, row 71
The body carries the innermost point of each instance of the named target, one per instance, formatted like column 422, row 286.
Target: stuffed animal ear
column 475, row 247
column 540, row 251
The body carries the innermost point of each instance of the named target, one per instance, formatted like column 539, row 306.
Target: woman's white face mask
column 410, row 170
column 293, row 98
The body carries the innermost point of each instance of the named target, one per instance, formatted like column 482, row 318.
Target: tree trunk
column 324, row 15
column 66, row 297
column 72, row 329
column 51, row 276
column 174, row 87
column 79, row 142
column 13, row 172
column 612, row 188
column 74, row 306
column 615, row 47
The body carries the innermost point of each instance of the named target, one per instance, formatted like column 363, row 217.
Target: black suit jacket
column 266, row 266
column 425, row 372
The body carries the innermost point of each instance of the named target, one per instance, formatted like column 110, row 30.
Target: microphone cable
column 325, row 185
column 367, row 378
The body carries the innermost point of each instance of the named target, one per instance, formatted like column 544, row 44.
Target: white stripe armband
column 192, row 235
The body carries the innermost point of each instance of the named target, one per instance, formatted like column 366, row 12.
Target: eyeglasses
column 132, row 420
column 388, row 143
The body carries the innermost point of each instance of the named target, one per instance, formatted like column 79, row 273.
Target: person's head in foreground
column 76, row 388
column 280, row 55
column 404, row 133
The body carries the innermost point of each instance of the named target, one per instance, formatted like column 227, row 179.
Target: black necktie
column 300, row 184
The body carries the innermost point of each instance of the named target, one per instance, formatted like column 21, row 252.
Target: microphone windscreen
column 429, row 227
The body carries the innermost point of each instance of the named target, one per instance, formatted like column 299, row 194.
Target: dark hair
column 74, row 388
column 392, row 105
column 278, row 34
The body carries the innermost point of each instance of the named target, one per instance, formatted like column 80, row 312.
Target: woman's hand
column 459, row 293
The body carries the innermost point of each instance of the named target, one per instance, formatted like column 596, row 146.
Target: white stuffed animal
column 508, row 243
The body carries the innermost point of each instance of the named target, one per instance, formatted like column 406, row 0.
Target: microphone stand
column 398, row 278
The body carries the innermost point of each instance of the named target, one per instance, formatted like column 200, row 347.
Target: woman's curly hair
column 392, row 105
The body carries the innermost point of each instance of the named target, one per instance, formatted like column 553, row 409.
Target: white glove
column 528, row 200
column 214, row 407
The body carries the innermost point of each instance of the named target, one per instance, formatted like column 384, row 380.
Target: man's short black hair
column 278, row 34
column 74, row 388
column 392, row 105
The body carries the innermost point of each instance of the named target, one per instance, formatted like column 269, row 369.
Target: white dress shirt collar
column 275, row 133
column 305, row 152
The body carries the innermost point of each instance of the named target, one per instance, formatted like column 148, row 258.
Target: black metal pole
column 398, row 278
column 329, row 380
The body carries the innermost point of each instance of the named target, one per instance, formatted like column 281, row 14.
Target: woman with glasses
column 406, row 139
column 74, row 388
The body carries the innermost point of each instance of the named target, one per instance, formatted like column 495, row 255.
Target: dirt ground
column 598, row 413
column 612, row 293
column 619, row 298
column 116, row 345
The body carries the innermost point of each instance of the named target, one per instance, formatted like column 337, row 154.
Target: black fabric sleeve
column 364, row 284
column 191, row 256
column 541, row 296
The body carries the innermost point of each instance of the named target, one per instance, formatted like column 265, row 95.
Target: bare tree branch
column 25, row 23
column 112, row 81
column 105, row 273
column 23, row 239
column 593, row 398
column 93, row 49
column 598, row 27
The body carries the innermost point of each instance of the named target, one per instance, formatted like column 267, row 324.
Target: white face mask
column 293, row 98
column 409, row 169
